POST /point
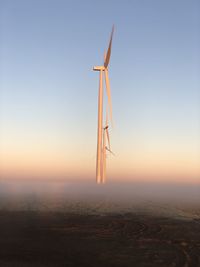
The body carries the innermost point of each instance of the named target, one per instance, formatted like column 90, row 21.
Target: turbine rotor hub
column 98, row 68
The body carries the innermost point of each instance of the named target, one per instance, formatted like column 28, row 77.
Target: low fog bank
column 121, row 191
column 169, row 199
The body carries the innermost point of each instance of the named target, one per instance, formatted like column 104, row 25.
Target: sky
column 48, row 91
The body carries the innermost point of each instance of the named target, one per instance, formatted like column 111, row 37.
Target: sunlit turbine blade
column 107, row 59
column 106, row 127
column 107, row 115
column 108, row 94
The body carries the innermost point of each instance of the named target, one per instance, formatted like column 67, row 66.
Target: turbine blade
column 110, row 151
column 107, row 59
column 104, row 56
column 108, row 94
column 106, row 128
column 107, row 110
column 108, row 138
column 103, row 164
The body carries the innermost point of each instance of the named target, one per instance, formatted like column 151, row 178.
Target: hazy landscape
column 82, row 224
column 170, row 199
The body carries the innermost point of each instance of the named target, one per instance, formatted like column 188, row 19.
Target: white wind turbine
column 101, row 132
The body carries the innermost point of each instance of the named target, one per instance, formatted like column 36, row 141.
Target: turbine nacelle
column 98, row 68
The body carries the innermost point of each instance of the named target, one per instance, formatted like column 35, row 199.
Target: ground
column 39, row 238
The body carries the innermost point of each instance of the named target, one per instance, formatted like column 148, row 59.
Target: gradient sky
column 48, row 91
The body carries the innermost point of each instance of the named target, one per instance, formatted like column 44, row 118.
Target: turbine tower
column 101, row 132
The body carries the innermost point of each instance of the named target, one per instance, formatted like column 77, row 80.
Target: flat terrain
column 36, row 238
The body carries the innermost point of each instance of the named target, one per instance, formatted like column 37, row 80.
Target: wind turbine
column 101, row 147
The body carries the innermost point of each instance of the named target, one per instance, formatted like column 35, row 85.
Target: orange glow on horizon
column 155, row 164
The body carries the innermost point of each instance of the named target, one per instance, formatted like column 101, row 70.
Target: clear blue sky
column 48, row 91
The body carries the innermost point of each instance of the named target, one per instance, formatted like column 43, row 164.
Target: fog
column 87, row 196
